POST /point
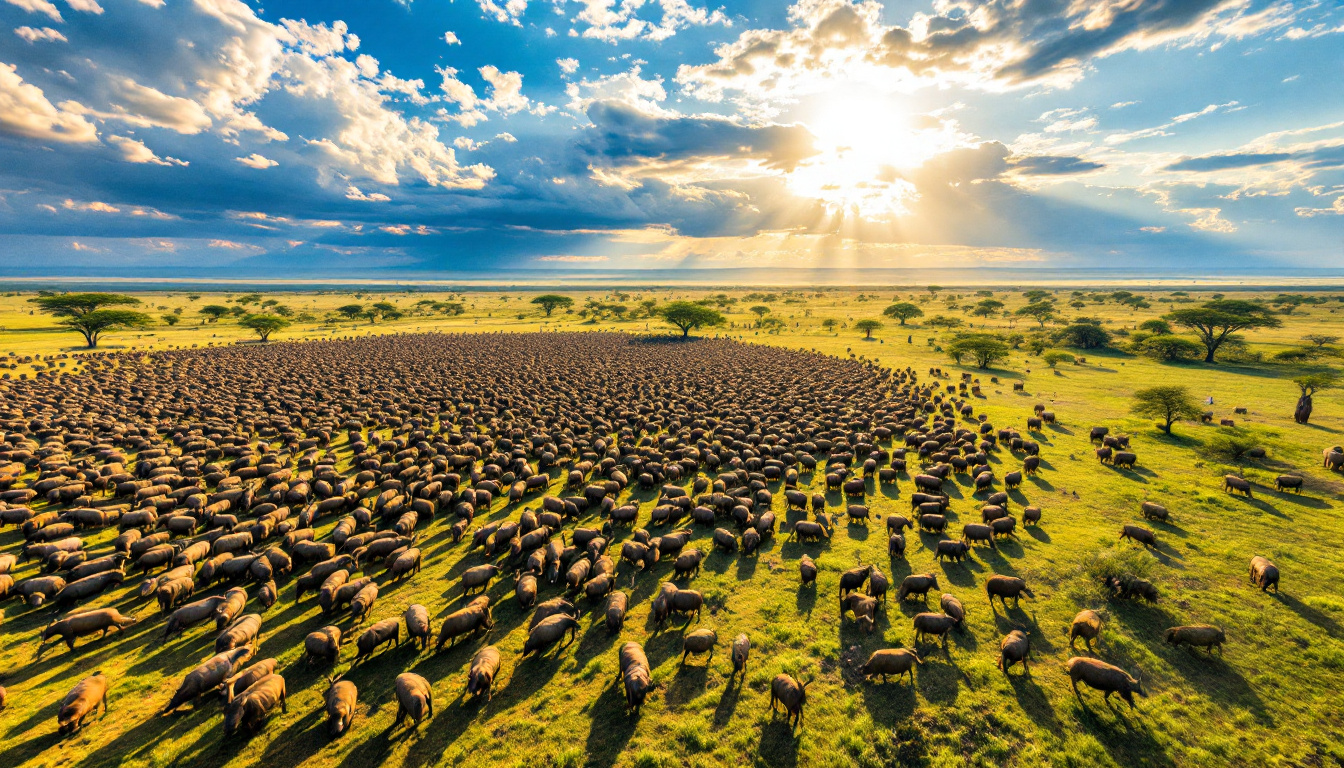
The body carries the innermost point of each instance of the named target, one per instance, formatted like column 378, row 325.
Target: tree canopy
column 868, row 326
column 1084, row 335
column 1040, row 311
column 1169, row 348
column 87, row 313
column 688, row 316
column 93, row 325
column 351, row 311
column 903, row 311
column 1168, row 403
column 552, row 301
column 1215, row 320
column 985, row 348
column 213, row 312
column 76, row 304
column 264, row 324
column 1309, row 384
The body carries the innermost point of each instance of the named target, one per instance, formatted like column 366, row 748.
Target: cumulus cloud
column 25, row 111
column 511, row 12
column 256, row 161
column 133, row 151
column 41, row 34
column 607, row 21
column 989, row 44
column 354, row 193
column 39, row 6
column 450, row 38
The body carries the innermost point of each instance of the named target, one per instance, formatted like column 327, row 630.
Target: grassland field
column 1272, row 699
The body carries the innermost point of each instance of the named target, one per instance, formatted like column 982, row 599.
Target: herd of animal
column 223, row 476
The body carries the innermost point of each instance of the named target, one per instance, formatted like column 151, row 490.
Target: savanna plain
column 380, row 416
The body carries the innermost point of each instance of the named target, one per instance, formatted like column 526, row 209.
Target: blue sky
column 222, row 137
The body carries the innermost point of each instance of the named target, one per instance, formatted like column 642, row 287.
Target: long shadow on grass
column 1121, row 731
column 610, row 729
column 779, row 742
column 1310, row 614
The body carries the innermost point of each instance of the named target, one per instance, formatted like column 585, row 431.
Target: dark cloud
column 1317, row 158
column 1053, row 165
column 621, row 135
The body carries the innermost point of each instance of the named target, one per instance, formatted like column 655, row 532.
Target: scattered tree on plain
column 1309, row 384
column 984, row 348
column 1216, row 320
column 1168, row 403
column 264, row 325
column 549, row 302
column 868, row 326
column 903, row 311
column 87, row 313
column 688, row 316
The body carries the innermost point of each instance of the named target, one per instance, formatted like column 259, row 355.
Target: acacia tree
column 760, row 310
column 1170, row 404
column 1216, row 320
column 868, row 326
column 903, row 311
column 688, row 316
column 351, row 311
column 552, row 301
column 1040, row 311
column 214, row 312
column 86, row 313
column 264, row 324
column 1309, row 384
column 985, row 348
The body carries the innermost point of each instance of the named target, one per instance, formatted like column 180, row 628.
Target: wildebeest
column 1014, row 647
column 697, row 642
column 791, row 694
column 891, row 661
column 1138, row 534
column 1004, row 587
column 1203, row 636
column 82, row 700
column 1107, row 678
column 1288, row 482
column 1264, row 574
column 248, row 710
column 1087, row 625
column 917, row 584
column 1234, row 484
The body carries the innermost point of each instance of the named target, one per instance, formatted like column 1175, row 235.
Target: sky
column 388, row 137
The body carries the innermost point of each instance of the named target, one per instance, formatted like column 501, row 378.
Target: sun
column 866, row 143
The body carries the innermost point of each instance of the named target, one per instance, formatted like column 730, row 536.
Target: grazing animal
column 415, row 699
column 475, row 616
column 1138, row 534
column 807, row 570
column 549, row 632
column 481, row 675
column 82, row 700
column 340, row 700
column 247, row 711
column 917, row 584
column 1107, row 678
column 1087, row 625
column 208, row 676
column 791, row 694
column 699, row 641
column 1014, row 647
column 1264, row 574
column 385, row 631
column 634, row 671
column 1234, row 484
column 935, row 625
column 891, row 661
column 1153, row 511
column 1004, row 587
column 741, row 650
column 953, row 607
column 1288, row 482
column 1203, row 636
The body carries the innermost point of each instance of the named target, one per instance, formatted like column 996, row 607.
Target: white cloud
column 568, row 66
column 504, row 94
column 572, row 259
column 509, row 13
column 25, row 111
column 95, row 206
column 133, row 151
column 1165, row 128
column 87, row 6
column 41, row 34
column 319, row 39
column 628, row 87
column 38, row 6
column 507, row 138
column 256, row 161
column 605, row 20
column 354, row 193
column 1336, row 209
column 451, row 38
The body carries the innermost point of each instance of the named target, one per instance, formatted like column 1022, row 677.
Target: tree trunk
column 91, row 339
column 1303, row 412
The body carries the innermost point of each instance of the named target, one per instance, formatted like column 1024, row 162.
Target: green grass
column 1272, row 699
